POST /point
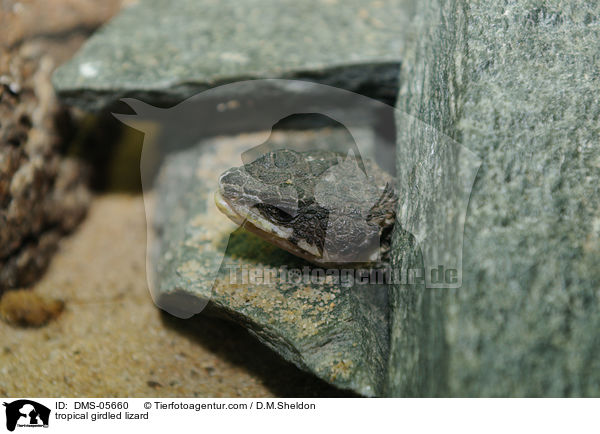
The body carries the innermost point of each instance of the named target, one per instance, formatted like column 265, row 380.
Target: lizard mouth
column 225, row 207
column 250, row 219
column 255, row 223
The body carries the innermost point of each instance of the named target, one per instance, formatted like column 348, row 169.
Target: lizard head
column 313, row 204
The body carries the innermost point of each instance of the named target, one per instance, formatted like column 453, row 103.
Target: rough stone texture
column 42, row 192
column 517, row 83
column 163, row 52
column 338, row 333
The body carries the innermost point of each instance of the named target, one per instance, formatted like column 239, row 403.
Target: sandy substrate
column 111, row 340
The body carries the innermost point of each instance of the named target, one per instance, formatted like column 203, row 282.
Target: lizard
column 323, row 206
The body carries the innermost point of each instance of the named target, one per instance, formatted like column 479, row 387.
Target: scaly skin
column 318, row 205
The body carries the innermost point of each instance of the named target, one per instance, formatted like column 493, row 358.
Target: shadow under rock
column 234, row 344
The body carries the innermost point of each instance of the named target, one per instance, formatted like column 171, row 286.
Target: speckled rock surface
column 339, row 333
column 163, row 52
column 42, row 192
column 517, row 83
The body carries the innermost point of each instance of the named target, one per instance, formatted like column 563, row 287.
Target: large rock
column 203, row 262
column 516, row 82
column 43, row 193
column 163, row 52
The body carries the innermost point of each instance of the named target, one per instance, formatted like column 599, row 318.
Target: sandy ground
column 111, row 340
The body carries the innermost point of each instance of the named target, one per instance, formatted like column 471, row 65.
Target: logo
column 26, row 413
column 432, row 186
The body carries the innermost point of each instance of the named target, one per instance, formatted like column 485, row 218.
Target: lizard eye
column 275, row 213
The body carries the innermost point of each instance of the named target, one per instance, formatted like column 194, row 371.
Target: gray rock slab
column 165, row 51
column 517, row 83
column 205, row 263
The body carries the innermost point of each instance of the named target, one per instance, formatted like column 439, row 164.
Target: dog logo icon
column 26, row 413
